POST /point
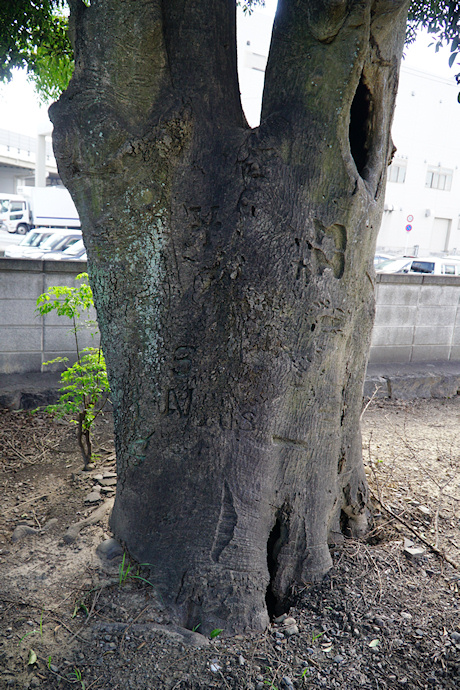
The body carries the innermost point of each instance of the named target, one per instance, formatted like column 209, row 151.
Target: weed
column 80, row 605
column 31, row 632
column 270, row 682
column 316, row 637
column 125, row 571
column 34, row 631
column 76, row 673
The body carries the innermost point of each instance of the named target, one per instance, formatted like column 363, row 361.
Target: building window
column 397, row 171
column 439, row 178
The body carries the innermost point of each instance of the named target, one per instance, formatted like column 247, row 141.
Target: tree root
column 74, row 530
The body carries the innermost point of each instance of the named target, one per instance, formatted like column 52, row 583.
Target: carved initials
column 178, row 402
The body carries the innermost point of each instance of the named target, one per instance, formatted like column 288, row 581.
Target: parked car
column 380, row 258
column 394, row 265
column 34, row 238
column 431, row 265
column 59, row 240
column 76, row 252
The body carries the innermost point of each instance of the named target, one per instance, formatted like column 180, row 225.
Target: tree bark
column 232, row 272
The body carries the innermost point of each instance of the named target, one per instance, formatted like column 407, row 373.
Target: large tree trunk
column 233, row 278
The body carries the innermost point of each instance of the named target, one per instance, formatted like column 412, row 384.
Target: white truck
column 38, row 207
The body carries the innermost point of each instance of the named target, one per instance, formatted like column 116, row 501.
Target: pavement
column 395, row 381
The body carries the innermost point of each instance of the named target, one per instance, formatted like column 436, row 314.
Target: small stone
column 289, row 621
column 406, row 615
column 109, row 549
column 109, row 481
column 97, row 477
column 286, row 683
column 93, row 497
column 22, row 531
column 109, row 475
column 54, row 668
column 214, row 666
column 280, row 619
column 291, row 630
column 241, row 660
column 424, row 510
column 456, row 637
column 415, row 552
column 338, row 659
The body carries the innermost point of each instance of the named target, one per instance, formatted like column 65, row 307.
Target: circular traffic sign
column 408, row 228
column 410, row 219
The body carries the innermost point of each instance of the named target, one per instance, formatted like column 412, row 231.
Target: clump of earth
column 73, row 613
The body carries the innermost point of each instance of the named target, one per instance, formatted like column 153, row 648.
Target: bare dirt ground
column 386, row 616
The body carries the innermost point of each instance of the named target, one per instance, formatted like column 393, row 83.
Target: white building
column 422, row 202
column 26, row 161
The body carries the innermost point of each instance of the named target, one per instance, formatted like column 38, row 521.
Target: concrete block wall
column 417, row 319
column 27, row 340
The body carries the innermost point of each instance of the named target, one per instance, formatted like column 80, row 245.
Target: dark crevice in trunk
column 345, row 524
column 360, row 130
column 276, row 605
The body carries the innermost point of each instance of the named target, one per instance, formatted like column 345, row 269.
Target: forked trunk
column 233, row 277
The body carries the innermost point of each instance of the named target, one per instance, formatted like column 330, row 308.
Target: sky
column 20, row 110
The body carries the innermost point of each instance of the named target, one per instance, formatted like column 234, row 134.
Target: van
column 432, row 265
column 38, row 207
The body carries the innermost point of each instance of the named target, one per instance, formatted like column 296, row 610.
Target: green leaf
column 374, row 643
column 215, row 633
column 32, row 658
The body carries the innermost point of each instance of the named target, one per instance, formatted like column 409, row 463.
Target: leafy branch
column 84, row 385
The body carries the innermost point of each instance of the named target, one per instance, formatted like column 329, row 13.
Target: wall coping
column 415, row 279
column 41, row 266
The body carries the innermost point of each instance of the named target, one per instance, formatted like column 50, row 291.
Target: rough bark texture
column 233, row 278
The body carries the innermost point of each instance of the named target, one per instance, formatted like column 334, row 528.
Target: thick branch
column 200, row 38
column 120, row 55
column 332, row 75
